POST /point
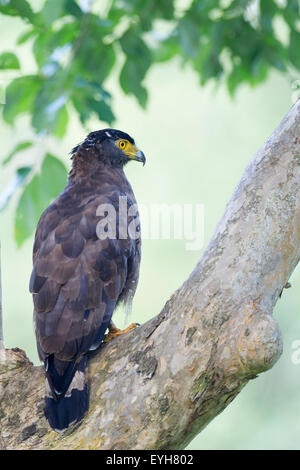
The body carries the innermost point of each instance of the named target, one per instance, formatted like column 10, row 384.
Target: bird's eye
column 122, row 144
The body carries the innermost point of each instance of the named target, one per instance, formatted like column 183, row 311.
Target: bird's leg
column 113, row 331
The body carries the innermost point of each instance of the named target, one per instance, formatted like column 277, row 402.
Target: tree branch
column 161, row 384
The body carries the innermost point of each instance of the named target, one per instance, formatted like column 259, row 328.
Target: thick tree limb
column 161, row 384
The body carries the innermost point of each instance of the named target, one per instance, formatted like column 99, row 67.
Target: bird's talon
column 114, row 331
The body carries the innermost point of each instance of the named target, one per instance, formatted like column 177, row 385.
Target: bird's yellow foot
column 113, row 331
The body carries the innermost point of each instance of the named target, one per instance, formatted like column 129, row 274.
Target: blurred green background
column 197, row 142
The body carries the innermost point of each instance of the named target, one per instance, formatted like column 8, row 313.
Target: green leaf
column 189, row 36
column 294, row 48
column 18, row 8
column 88, row 97
column 18, row 148
column 53, row 177
column 20, row 95
column 166, row 50
column 50, row 116
column 8, row 60
column 49, row 113
column 28, row 211
column 37, row 195
column 61, row 125
column 115, row 14
column 259, row 71
column 25, row 36
column 51, row 11
column 234, row 79
column 290, row 12
column 136, row 65
column 268, row 10
column 163, row 8
column 79, row 102
column 130, row 81
column 134, row 47
column 275, row 57
column 50, row 41
column 94, row 59
column 73, row 9
column 17, row 181
column 103, row 111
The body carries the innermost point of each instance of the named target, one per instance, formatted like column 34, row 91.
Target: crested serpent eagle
column 80, row 275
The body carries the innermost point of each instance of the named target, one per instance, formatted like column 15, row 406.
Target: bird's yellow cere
column 128, row 148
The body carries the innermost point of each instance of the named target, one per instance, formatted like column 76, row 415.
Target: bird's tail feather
column 67, row 396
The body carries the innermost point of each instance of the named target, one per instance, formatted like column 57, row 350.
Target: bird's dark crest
column 99, row 136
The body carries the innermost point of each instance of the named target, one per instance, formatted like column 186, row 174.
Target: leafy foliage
column 37, row 195
column 76, row 51
column 8, row 60
column 18, row 148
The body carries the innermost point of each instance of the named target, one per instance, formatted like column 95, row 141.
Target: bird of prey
column 80, row 275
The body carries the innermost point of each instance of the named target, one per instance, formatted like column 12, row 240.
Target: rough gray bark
column 161, row 384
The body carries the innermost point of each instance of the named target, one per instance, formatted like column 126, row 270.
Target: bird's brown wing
column 77, row 279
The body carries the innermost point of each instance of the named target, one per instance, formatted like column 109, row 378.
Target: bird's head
column 112, row 146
